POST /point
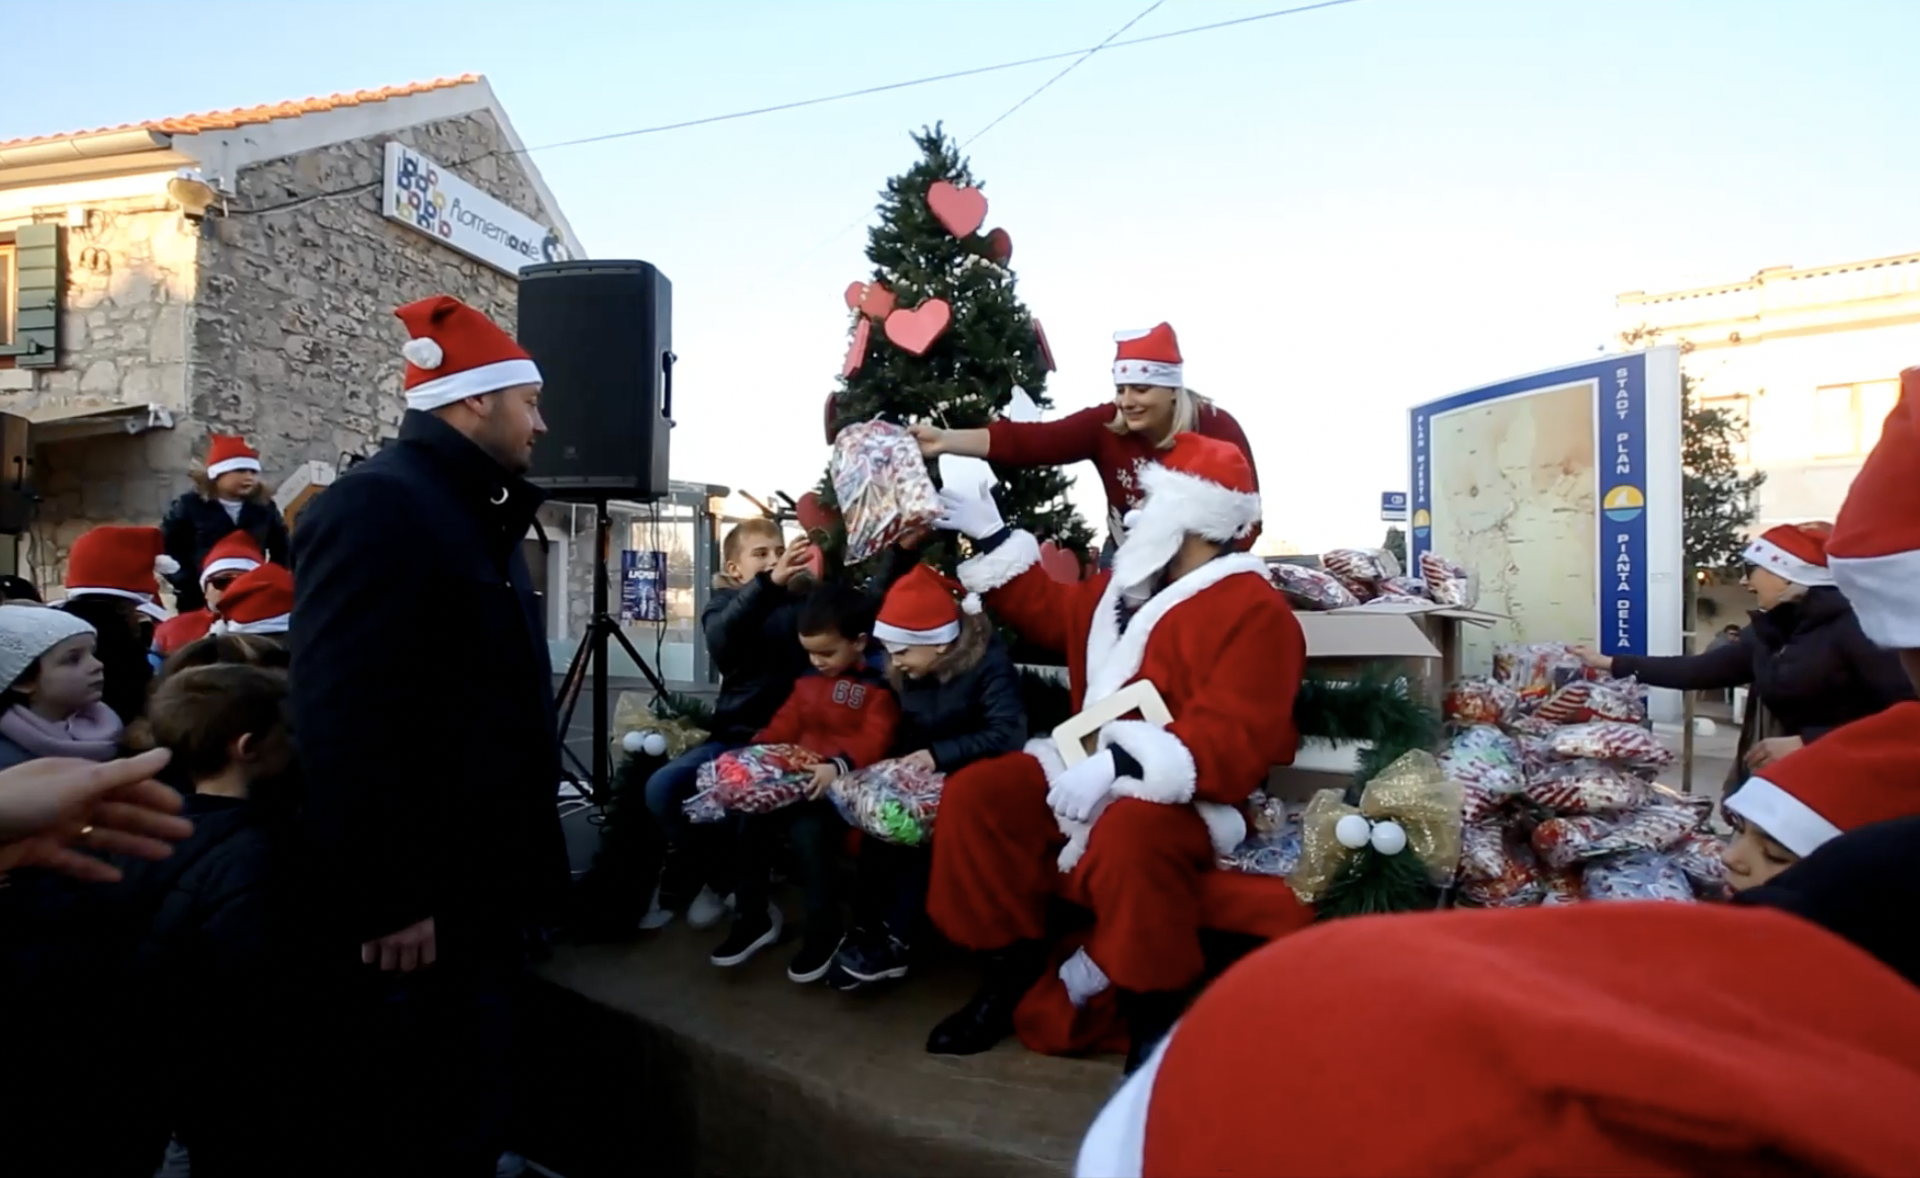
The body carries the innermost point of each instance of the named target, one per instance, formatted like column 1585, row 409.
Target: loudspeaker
column 16, row 475
column 602, row 334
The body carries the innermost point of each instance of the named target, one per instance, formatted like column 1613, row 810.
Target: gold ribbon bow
column 1414, row 793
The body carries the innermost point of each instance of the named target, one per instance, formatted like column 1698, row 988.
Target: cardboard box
column 300, row 487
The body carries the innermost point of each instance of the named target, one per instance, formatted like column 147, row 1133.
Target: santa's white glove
column 1079, row 793
column 973, row 516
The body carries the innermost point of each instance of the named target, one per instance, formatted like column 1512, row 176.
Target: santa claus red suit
column 1127, row 832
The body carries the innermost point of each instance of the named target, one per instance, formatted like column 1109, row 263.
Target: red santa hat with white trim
column 1202, row 484
column 227, row 453
column 236, row 552
column 920, row 610
column 1861, row 773
column 1797, row 552
column 1875, row 546
column 115, row 561
column 259, row 602
column 1150, row 356
column 1645, row 1039
column 456, row 352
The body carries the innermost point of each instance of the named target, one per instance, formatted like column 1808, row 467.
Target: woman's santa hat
column 1149, row 357
column 229, row 452
column 236, row 552
column 1797, row 552
column 260, row 602
column 920, row 610
column 456, row 352
column 1676, row 1047
column 1865, row 772
column 1875, row 547
column 120, row 562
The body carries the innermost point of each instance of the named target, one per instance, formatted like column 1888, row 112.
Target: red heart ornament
column 879, row 302
column 1060, row 563
column 817, row 563
column 1046, row 349
column 814, row 515
column 856, row 294
column 961, row 210
column 916, row 330
column 856, row 356
column 833, row 411
column 1000, row 246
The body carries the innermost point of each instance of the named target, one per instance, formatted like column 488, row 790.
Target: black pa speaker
column 17, row 498
column 602, row 334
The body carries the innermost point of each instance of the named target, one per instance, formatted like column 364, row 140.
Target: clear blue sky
column 1343, row 212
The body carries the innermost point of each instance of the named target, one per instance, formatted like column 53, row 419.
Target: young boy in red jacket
column 844, row 711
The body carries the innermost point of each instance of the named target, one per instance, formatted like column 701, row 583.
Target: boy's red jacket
column 846, row 718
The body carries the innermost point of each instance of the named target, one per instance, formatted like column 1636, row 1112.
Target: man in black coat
column 423, row 706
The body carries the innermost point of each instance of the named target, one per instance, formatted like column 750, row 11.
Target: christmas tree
column 966, row 376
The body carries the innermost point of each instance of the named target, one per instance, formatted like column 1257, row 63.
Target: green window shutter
column 40, row 266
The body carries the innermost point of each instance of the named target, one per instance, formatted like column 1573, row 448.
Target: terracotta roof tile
column 227, row 120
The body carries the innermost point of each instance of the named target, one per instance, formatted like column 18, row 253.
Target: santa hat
column 259, row 602
column 1150, row 357
column 1203, row 485
column 456, row 352
column 1865, row 772
column 1797, row 552
column 920, row 611
column 1875, row 547
column 1642, row 1039
column 230, row 452
column 120, row 562
column 235, row 552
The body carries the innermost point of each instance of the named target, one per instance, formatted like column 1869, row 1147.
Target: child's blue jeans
column 674, row 782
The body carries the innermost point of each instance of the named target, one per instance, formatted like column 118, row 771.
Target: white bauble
column 634, row 741
column 1389, row 838
column 653, row 743
column 1353, row 832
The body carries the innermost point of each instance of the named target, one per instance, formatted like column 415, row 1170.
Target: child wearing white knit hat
column 53, row 684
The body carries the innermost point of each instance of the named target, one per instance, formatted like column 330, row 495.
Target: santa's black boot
column 987, row 1018
column 1149, row 1017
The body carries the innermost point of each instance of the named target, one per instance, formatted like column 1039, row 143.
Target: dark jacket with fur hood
column 968, row 707
column 196, row 522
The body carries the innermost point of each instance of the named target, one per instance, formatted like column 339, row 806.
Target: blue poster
column 643, row 586
column 1393, row 506
column 1527, row 481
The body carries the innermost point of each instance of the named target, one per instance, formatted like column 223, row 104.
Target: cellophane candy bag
column 1486, row 763
column 1698, row 855
column 1609, row 740
column 1537, row 670
column 1272, row 853
column 1478, row 701
column 758, row 779
column 1586, row 787
column 1362, row 569
column 1562, row 842
column 1483, row 852
column 1638, row 875
column 1518, row 884
column 1311, row 589
column 1561, row 887
column 1410, row 588
column 882, row 485
column 1447, row 582
column 894, row 801
column 1264, row 814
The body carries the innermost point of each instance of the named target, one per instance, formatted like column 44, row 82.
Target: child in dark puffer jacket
column 960, row 703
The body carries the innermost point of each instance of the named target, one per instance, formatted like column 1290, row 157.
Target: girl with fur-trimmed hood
column 959, row 703
column 228, row 495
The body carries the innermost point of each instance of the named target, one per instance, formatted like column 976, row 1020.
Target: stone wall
column 131, row 274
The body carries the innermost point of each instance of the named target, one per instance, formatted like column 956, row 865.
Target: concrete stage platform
column 646, row 1060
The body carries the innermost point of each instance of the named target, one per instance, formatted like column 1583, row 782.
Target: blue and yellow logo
column 419, row 196
column 1422, row 522
column 1623, row 504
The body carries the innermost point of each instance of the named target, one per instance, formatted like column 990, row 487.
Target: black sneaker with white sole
column 874, row 959
column 751, row 933
column 814, row 959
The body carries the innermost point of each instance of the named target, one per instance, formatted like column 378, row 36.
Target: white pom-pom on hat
column 165, row 565
column 423, row 353
column 970, row 603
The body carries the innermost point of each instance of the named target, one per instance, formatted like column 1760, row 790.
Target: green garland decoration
column 1370, row 883
column 676, row 705
column 1376, row 706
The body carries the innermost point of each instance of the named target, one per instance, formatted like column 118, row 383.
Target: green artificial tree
column 966, row 378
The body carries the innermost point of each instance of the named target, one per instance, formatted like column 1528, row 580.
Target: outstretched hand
column 793, row 561
column 973, row 516
column 59, row 813
column 931, row 438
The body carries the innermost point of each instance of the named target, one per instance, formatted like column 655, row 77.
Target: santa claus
column 1127, row 832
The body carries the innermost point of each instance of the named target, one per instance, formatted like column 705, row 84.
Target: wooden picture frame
column 1076, row 736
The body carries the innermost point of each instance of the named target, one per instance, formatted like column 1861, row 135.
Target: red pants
column 995, row 869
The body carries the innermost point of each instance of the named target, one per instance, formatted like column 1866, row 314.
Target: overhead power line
column 1074, row 65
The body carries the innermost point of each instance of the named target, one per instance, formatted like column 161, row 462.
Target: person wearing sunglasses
column 234, row 555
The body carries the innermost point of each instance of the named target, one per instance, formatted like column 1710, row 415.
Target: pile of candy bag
column 1272, row 845
column 892, row 800
column 1556, row 769
column 883, row 486
column 1354, row 576
column 757, row 779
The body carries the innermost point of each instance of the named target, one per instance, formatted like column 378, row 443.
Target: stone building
column 235, row 272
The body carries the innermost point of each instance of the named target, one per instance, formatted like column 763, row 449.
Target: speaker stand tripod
column 589, row 666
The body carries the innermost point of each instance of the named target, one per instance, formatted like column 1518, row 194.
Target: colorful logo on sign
column 1422, row 522
column 1623, row 504
column 418, row 196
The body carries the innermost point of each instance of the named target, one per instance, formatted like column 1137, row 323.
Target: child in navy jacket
column 843, row 711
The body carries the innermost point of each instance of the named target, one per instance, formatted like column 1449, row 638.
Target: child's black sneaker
column 751, row 932
column 815, row 958
column 874, row 959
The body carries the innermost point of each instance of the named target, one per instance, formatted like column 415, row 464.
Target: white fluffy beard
column 1150, row 546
